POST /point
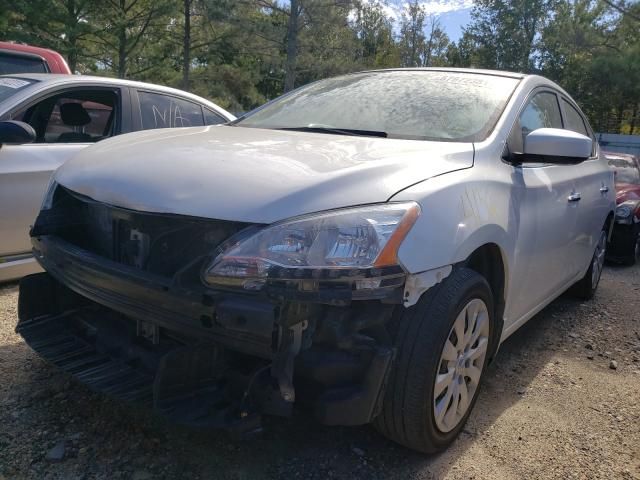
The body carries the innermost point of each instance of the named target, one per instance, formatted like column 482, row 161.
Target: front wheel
column 586, row 287
column 442, row 347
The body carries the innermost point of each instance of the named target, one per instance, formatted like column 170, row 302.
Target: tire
column 586, row 287
column 408, row 414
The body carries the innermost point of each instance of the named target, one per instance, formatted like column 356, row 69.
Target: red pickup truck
column 18, row 58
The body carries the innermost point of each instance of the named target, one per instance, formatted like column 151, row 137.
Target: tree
column 594, row 52
column 293, row 22
column 422, row 41
column 186, row 43
column 124, row 28
column 503, row 33
column 412, row 38
column 374, row 45
column 436, row 44
column 62, row 25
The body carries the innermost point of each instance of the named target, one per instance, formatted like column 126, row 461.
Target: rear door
column 66, row 121
column 594, row 184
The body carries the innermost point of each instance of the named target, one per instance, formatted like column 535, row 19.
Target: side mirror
column 13, row 132
column 555, row 145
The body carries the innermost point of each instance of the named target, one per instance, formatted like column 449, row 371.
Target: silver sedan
column 60, row 115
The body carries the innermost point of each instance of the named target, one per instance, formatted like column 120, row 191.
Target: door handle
column 604, row 189
column 574, row 197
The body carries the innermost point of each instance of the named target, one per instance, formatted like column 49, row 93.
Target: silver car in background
column 64, row 114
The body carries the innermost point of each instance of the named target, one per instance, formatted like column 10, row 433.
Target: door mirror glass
column 13, row 132
column 555, row 145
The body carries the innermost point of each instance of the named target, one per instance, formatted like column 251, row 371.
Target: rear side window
column 165, row 111
column 211, row 118
column 10, row 64
column 573, row 120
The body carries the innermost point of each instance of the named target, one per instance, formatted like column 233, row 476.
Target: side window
column 573, row 120
column 165, row 111
column 211, row 118
column 542, row 111
column 79, row 116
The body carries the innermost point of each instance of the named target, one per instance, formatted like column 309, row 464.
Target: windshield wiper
column 337, row 131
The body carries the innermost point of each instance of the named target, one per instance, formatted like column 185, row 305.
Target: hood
column 253, row 175
column 627, row 191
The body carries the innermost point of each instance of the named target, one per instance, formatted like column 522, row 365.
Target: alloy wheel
column 461, row 365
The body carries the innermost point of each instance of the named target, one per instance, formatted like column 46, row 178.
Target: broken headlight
column 625, row 211
column 354, row 238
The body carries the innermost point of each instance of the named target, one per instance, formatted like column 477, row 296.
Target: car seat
column 74, row 115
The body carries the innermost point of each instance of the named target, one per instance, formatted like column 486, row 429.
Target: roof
column 20, row 47
column 56, row 79
column 479, row 71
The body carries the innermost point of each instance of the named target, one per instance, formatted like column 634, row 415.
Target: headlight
column 354, row 238
column 625, row 210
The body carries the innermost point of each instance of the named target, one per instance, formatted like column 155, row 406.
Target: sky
column 453, row 14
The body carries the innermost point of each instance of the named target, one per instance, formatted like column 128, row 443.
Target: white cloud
column 432, row 7
column 446, row 8
column 437, row 7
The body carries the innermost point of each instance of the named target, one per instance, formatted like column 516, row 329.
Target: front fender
column 459, row 215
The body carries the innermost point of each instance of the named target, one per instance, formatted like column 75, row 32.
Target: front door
column 547, row 211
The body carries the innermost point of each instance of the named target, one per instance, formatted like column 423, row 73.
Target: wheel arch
column 608, row 224
column 488, row 260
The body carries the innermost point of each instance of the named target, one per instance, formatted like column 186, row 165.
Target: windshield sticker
column 13, row 82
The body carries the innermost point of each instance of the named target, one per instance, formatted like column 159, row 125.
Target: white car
column 64, row 114
column 359, row 247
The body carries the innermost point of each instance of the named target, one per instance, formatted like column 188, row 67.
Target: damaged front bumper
column 206, row 357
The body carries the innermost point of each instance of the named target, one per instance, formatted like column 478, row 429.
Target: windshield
column 420, row 105
column 626, row 170
column 11, row 85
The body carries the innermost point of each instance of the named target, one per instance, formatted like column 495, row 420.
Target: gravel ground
column 552, row 406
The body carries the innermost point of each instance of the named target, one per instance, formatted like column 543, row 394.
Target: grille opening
column 162, row 244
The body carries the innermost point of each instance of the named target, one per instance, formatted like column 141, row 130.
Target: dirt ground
column 552, row 406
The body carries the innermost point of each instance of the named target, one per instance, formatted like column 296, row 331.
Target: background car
column 625, row 241
column 19, row 58
column 68, row 113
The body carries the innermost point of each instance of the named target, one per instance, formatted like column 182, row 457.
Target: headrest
column 74, row 114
